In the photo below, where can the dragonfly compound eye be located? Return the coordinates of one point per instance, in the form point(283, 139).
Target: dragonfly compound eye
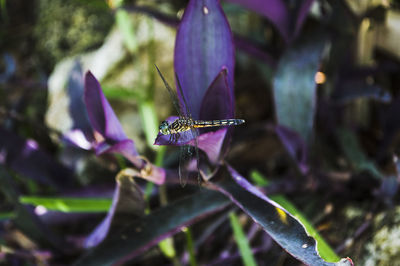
point(164, 128)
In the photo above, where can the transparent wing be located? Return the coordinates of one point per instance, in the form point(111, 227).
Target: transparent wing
point(185, 107)
point(193, 152)
point(172, 94)
point(187, 153)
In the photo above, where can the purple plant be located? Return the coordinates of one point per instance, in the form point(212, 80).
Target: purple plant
point(206, 79)
point(111, 137)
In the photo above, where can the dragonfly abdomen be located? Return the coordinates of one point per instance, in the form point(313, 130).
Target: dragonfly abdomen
point(217, 123)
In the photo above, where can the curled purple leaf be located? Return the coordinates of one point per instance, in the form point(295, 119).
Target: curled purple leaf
point(101, 115)
point(203, 33)
point(218, 100)
point(77, 108)
point(106, 123)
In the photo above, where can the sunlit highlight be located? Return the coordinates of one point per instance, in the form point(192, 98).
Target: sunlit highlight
point(40, 210)
point(282, 215)
point(320, 78)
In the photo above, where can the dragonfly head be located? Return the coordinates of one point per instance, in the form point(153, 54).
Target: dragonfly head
point(164, 128)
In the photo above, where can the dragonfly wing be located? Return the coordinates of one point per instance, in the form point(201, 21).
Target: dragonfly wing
point(184, 161)
point(172, 94)
point(196, 153)
point(189, 155)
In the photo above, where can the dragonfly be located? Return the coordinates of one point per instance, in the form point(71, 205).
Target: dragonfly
point(186, 128)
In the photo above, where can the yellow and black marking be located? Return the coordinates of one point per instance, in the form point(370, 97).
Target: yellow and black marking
point(183, 124)
point(217, 123)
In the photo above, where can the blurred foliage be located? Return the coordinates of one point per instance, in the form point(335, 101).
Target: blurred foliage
point(66, 28)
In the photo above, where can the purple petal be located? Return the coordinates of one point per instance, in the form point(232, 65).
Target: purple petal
point(218, 101)
point(101, 115)
point(203, 33)
point(295, 146)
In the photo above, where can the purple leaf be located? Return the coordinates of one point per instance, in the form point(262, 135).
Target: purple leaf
point(218, 100)
point(295, 146)
point(143, 233)
point(241, 43)
point(211, 143)
point(123, 147)
point(77, 108)
point(127, 205)
point(105, 122)
point(26, 158)
point(101, 115)
point(203, 33)
point(286, 230)
point(287, 20)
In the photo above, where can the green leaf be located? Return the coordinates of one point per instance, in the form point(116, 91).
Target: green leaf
point(119, 93)
point(167, 247)
point(242, 242)
point(294, 84)
point(7, 216)
point(69, 204)
point(190, 246)
point(150, 122)
point(258, 179)
point(125, 25)
point(352, 150)
point(25, 220)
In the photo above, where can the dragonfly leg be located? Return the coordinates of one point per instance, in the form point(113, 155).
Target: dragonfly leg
point(176, 137)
